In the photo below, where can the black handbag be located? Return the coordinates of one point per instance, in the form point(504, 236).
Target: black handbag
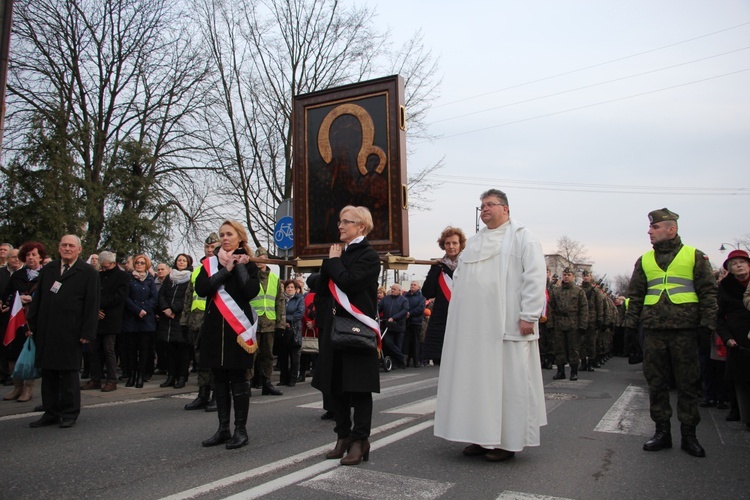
point(350, 334)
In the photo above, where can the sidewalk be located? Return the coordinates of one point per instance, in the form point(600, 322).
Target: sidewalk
point(150, 389)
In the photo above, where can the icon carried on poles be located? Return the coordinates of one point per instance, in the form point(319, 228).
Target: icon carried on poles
point(283, 233)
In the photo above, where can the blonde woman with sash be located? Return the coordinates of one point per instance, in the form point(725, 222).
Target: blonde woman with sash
point(227, 342)
point(348, 378)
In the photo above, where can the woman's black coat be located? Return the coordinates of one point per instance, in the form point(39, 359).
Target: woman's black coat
point(171, 297)
point(733, 322)
point(218, 341)
point(432, 348)
point(356, 273)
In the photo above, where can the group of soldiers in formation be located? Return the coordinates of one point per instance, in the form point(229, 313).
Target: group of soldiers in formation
point(581, 326)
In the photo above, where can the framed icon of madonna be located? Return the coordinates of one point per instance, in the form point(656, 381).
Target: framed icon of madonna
point(350, 149)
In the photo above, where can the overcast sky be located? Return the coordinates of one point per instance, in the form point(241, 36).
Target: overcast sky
point(588, 114)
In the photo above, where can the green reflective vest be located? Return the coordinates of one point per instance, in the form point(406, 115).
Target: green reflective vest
point(677, 280)
point(265, 302)
point(198, 303)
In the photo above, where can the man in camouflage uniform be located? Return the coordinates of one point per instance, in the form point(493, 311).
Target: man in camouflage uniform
point(192, 317)
point(596, 314)
point(604, 340)
point(673, 294)
point(271, 308)
point(569, 315)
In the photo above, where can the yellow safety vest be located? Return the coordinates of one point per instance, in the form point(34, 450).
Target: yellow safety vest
point(677, 280)
point(199, 303)
point(265, 302)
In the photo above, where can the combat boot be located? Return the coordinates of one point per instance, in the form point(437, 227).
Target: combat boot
point(690, 443)
point(269, 389)
point(201, 401)
point(560, 375)
point(573, 373)
point(662, 438)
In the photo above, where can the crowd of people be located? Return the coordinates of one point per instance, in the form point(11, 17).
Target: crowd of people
point(228, 318)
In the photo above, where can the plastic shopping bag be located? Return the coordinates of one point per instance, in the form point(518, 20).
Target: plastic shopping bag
point(25, 369)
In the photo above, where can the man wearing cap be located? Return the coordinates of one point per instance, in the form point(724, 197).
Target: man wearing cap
point(569, 316)
point(271, 308)
point(595, 302)
point(673, 295)
point(192, 317)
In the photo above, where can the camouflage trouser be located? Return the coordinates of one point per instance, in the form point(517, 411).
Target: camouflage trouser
point(567, 347)
point(205, 377)
point(546, 342)
point(604, 341)
point(263, 365)
point(588, 343)
point(676, 350)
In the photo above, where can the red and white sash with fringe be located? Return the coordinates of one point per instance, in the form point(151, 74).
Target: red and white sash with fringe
point(446, 285)
point(343, 300)
point(232, 312)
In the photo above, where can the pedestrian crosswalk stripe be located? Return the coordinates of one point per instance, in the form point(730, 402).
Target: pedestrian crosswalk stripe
point(629, 414)
point(362, 483)
point(516, 495)
point(422, 407)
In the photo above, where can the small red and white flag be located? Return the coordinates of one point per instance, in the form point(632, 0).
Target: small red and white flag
point(17, 320)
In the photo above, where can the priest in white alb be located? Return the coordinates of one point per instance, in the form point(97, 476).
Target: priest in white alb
point(490, 390)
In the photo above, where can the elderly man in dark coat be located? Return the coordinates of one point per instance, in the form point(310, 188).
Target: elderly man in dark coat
point(114, 283)
point(64, 314)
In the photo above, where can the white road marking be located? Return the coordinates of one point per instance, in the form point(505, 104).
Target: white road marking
point(95, 405)
point(421, 407)
point(629, 414)
point(295, 477)
point(388, 392)
point(357, 482)
point(277, 465)
point(517, 495)
point(568, 384)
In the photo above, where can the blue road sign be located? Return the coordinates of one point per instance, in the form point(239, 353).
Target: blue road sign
point(283, 233)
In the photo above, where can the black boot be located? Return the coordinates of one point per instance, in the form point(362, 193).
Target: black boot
point(169, 382)
point(573, 373)
point(662, 438)
point(212, 401)
point(224, 407)
point(139, 379)
point(560, 375)
point(131, 380)
point(180, 383)
point(597, 362)
point(690, 443)
point(589, 365)
point(269, 389)
point(241, 397)
point(202, 400)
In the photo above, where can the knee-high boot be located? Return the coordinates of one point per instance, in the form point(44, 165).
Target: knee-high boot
point(224, 408)
point(241, 396)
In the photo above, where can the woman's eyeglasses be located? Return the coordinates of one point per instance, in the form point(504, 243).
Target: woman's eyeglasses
point(344, 222)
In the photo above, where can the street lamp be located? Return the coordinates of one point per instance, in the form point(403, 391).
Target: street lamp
point(738, 246)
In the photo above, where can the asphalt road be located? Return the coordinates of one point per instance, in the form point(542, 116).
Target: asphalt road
point(141, 444)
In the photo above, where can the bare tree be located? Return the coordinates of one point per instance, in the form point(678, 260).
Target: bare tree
point(267, 52)
point(574, 252)
point(120, 81)
point(620, 283)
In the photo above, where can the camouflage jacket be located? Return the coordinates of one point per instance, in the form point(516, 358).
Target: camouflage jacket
point(665, 314)
point(610, 313)
point(595, 302)
point(568, 308)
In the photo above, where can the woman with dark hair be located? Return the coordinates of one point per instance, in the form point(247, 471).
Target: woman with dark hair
point(139, 321)
point(289, 348)
point(229, 281)
point(348, 377)
point(171, 302)
point(24, 282)
point(437, 286)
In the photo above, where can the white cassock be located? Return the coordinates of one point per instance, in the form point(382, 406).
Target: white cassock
point(490, 390)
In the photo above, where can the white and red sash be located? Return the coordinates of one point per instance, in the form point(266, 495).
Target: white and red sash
point(446, 285)
point(343, 300)
point(232, 312)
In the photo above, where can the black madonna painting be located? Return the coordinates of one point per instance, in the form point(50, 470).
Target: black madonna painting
point(349, 149)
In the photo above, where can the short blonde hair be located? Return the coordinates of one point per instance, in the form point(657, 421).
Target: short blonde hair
point(362, 214)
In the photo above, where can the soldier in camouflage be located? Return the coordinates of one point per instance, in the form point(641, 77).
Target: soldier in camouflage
point(568, 318)
point(596, 315)
point(672, 293)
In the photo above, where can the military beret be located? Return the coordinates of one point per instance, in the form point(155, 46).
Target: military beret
point(587, 273)
point(261, 251)
point(568, 270)
point(661, 215)
point(212, 238)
